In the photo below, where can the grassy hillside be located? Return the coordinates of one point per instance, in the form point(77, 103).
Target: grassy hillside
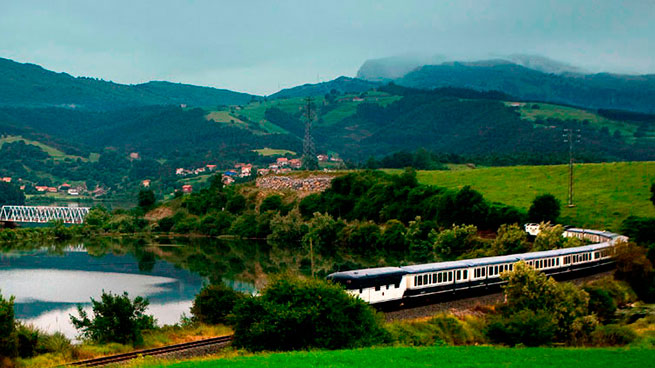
point(272, 152)
point(444, 357)
point(543, 111)
point(53, 152)
point(605, 194)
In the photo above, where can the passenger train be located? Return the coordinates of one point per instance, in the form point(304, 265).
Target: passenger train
point(394, 285)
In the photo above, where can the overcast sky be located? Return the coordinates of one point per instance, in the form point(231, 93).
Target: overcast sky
point(258, 46)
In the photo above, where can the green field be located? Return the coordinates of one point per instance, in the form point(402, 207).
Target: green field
point(53, 152)
point(550, 111)
point(443, 357)
point(272, 152)
point(604, 194)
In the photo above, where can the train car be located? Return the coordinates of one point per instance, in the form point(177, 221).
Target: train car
point(392, 284)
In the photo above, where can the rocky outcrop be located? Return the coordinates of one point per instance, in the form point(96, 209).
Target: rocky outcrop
point(308, 184)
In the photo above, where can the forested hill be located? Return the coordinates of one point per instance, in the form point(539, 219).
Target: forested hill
point(29, 85)
point(339, 85)
point(609, 91)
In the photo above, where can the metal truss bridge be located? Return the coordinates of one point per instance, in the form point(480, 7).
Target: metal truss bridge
point(43, 214)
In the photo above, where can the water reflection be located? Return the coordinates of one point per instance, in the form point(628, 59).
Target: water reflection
point(49, 280)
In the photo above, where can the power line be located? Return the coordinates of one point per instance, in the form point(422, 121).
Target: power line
point(309, 160)
point(571, 136)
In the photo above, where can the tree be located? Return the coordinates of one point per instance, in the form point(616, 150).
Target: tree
point(544, 208)
point(116, 318)
point(146, 198)
point(452, 243)
point(549, 237)
point(511, 239)
point(538, 310)
point(294, 314)
point(8, 338)
point(271, 203)
point(11, 194)
point(214, 303)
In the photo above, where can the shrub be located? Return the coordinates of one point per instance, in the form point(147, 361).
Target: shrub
point(271, 203)
point(511, 239)
point(549, 237)
point(525, 327)
point(116, 318)
point(294, 313)
point(452, 243)
point(214, 303)
point(544, 208)
point(613, 335)
point(166, 224)
point(8, 338)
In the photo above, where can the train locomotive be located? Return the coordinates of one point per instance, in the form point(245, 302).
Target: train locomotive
point(396, 285)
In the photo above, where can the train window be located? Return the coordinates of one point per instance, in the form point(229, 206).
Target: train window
point(483, 272)
point(556, 261)
point(360, 291)
point(434, 278)
point(491, 270)
point(465, 274)
point(439, 276)
point(430, 278)
point(425, 279)
point(387, 287)
point(496, 270)
point(450, 276)
point(511, 267)
point(458, 276)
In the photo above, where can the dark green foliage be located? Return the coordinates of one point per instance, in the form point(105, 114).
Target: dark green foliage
point(360, 237)
point(216, 223)
point(544, 208)
point(97, 217)
point(652, 193)
point(146, 199)
point(236, 204)
point(28, 340)
point(295, 314)
point(639, 229)
point(166, 224)
point(393, 237)
point(245, 225)
point(613, 335)
point(601, 303)
point(524, 327)
point(310, 205)
point(634, 267)
point(115, 318)
point(11, 194)
point(271, 203)
point(214, 303)
point(8, 337)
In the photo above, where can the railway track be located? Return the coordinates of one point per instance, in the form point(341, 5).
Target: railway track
point(119, 358)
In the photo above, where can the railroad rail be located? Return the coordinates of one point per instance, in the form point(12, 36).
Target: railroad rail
point(118, 358)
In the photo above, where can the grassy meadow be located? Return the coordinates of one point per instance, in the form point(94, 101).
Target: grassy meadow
point(272, 151)
point(604, 194)
point(444, 357)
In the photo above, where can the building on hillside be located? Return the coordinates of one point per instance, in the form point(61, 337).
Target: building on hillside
point(98, 191)
point(52, 190)
point(262, 172)
point(179, 171)
point(246, 170)
point(322, 158)
point(211, 167)
point(64, 187)
point(295, 163)
point(238, 165)
point(73, 192)
point(22, 187)
point(187, 188)
point(7, 179)
point(135, 156)
point(41, 188)
point(282, 161)
point(145, 183)
point(227, 180)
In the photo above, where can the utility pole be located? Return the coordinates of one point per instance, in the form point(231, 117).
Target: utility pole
point(309, 160)
point(571, 136)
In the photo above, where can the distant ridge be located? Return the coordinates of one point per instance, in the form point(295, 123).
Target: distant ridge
point(341, 85)
point(29, 85)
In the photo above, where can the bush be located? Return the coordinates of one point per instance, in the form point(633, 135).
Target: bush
point(613, 335)
point(214, 303)
point(166, 224)
point(271, 203)
point(544, 208)
point(452, 243)
point(8, 337)
point(524, 327)
point(28, 339)
point(511, 239)
point(116, 318)
point(294, 314)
